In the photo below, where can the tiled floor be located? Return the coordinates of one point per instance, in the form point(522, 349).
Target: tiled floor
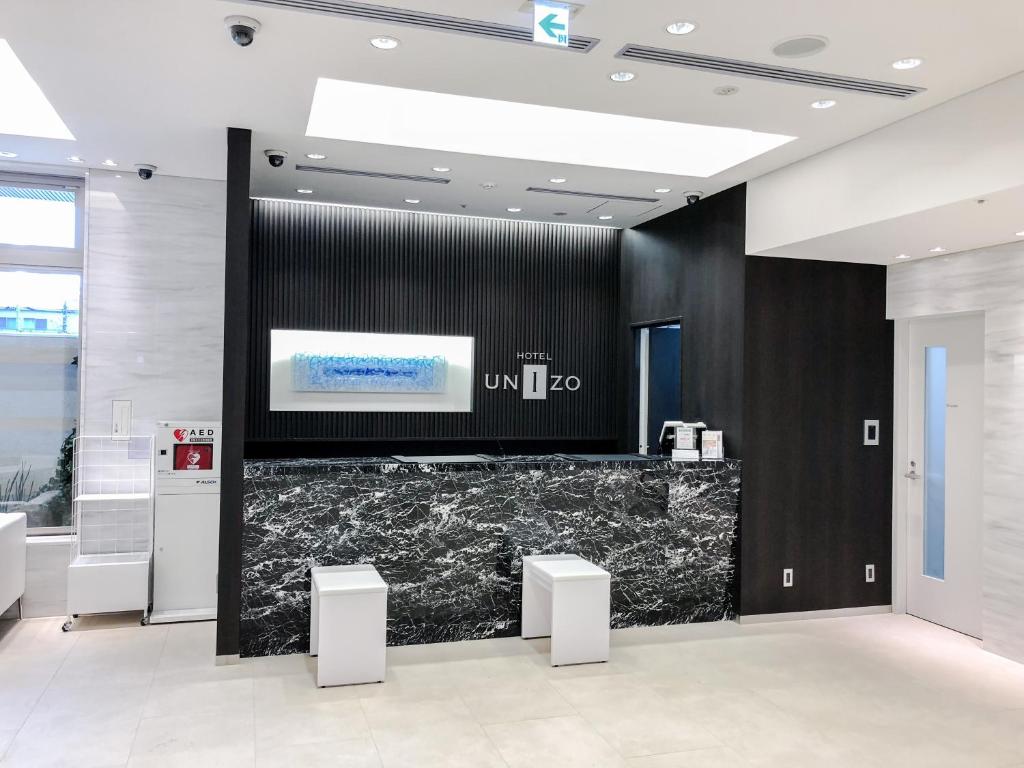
point(869, 691)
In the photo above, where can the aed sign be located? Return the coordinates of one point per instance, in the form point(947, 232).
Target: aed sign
point(536, 379)
point(551, 23)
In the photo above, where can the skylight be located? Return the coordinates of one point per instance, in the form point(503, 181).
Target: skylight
point(24, 109)
point(378, 114)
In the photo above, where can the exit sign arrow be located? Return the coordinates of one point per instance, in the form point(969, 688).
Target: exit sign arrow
point(549, 24)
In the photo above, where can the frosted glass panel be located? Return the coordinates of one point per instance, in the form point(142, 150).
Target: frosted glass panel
point(935, 462)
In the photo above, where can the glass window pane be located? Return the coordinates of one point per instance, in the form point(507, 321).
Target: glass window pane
point(935, 462)
point(37, 216)
point(39, 303)
point(38, 393)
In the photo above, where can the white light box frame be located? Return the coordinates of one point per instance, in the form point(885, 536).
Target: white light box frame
point(457, 351)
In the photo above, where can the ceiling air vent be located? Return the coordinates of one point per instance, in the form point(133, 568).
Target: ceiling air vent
point(373, 174)
point(714, 64)
point(596, 195)
point(434, 21)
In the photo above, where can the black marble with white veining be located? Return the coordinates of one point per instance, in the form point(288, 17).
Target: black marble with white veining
point(449, 540)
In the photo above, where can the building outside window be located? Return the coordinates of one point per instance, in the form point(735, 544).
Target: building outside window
point(40, 304)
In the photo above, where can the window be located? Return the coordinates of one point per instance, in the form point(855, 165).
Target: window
point(38, 217)
point(40, 301)
point(41, 221)
point(935, 462)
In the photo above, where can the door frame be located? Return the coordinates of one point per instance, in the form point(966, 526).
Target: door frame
point(637, 400)
point(901, 451)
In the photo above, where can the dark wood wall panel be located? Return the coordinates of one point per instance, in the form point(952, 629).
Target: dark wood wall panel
point(690, 264)
point(513, 286)
point(819, 361)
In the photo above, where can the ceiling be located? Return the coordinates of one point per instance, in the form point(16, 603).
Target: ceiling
point(159, 82)
point(962, 226)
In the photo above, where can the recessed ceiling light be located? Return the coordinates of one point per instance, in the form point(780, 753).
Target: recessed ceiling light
point(304, 191)
point(412, 201)
point(442, 122)
point(1020, 234)
point(75, 159)
point(8, 154)
point(823, 104)
point(622, 77)
point(488, 185)
point(117, 175)
point(799, 47)
point(903, 256)
point(441, 169)
point(26, 110)
point(680, 27)
point(316, 156)
point(726, 90)
point(662, 190)
point(109, 163)
point(384, 43)
point(937, 249)
point(907, 63)
point(605, 218)
point(514, 210)
point(557, 180)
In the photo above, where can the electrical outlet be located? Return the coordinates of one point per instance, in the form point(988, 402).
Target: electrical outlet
point(869, 573)
point(787, 577)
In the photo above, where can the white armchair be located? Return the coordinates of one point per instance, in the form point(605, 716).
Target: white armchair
point(13, 528)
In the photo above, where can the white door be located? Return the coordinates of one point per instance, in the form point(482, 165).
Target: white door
point(944, 521)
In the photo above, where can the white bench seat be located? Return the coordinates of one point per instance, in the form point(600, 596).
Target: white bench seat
point(567, 599)
point(348, 624)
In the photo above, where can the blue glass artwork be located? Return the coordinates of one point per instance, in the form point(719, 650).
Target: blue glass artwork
point(369, 373)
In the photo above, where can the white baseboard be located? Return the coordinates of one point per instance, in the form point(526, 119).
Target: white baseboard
point(832, 613)
point(227, 660)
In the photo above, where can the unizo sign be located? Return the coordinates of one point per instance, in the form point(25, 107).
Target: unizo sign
point(536, 381)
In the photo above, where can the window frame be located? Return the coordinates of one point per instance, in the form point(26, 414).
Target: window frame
point(47, 255)
point(42, 258)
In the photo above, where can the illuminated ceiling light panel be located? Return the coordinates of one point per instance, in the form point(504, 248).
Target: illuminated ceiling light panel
point(377, 114)
point(24, 110)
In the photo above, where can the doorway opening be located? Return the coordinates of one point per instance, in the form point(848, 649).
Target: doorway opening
point(658, 369)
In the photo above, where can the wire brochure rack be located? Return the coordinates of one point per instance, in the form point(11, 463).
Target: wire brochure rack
point(112, 503)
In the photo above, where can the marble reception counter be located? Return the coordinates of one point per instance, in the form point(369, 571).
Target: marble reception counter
point(449, 538)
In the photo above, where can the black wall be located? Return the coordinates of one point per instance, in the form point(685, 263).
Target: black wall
point(236, 350)
point(513, 286)
point(689, 264)
point(818, 362)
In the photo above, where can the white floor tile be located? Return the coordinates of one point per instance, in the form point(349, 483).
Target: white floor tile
point(560, 742)
point(451, 743)
point(716, 757)
point(872, 692)
point(350, 753)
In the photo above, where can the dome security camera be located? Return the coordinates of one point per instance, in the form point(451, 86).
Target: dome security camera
point(275, 157)
point(693, 197)
point(145, 170)
point(242, 29)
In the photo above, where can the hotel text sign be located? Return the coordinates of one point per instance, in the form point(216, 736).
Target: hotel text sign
point(536, 379)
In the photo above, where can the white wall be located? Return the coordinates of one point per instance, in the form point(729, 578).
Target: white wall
point(153, 319)
point(992, 281)
point(965, 148)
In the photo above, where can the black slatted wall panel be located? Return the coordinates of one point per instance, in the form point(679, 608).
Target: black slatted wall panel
point(513, 286)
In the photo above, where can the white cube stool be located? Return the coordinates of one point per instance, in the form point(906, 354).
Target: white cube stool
point(567, 599)
point(348, 624)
